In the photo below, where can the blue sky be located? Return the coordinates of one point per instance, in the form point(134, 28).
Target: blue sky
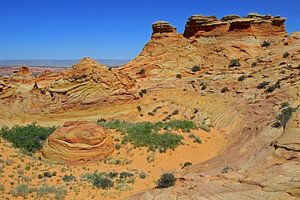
point(112, 29)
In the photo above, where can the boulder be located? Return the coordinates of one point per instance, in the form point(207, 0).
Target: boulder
point(78, 142)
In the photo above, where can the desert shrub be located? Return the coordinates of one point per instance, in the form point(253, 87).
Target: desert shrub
point(284, 104)
point(142, 135)
point(21, 190)
point(125, 175)
point(254, 64)
point(146, 134)
point(99, 180)
point(45, 190)
point(28, 138)
point(270, 89)
point(263, 85)
point(226, 169)
point(224, 89)
point(142, 175)
point(142, 92)
point(186, 164)
point(283, 118)
point(47, 174)
point(242, 78)
point(139, 108)
point(2, 188)
point(166, 180)
point(286, 54)
point(69, 178)
point(178, 76)
point(203, 86)
point(234, 63)
point(196, 68)
point(184, 125)
point(265, 43)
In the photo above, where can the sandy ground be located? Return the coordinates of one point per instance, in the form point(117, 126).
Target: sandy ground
point(17, 168)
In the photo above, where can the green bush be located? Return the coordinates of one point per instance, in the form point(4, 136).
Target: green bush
point(263, 85)
point(69, 178)
point(28, 138)
point(266, 43)
point(21, 190)
point(147, 134)
point(166, 180)
point(59, 191)
point(242, 78)
point(99, 180)
point(234, 63)
point(283, 118)
point(286, 54)
point(196, 68)
point(224, 89)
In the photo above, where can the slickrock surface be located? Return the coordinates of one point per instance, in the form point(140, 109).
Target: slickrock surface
point(234, 74)
point(78, 142)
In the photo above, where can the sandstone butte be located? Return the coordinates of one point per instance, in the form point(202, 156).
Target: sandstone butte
point(257, 162)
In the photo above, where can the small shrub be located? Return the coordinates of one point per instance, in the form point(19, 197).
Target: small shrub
point(47, 174)
point(283, 118)
point(234, 63)
point(196, 68)
point(186, 164)
point(166, 180)
point(254, 64)
point(224, 89)
point(21, 190)
point(284, 105)
point(178, 76)
point(142, 92)
point(28, 138)
point(125, 175)
point(270, 89)
point(99, 180)
point(226, 169)
point(69, 178)
point(266, 43)
point(286, 54)
point(242, 78)
point(117, 146)
point(44, 190)
point(142, 175)
point(203, 86)
point(2, 188)
point(184, 125)
point(103, 183)
point(139, 108)
point(263, 85)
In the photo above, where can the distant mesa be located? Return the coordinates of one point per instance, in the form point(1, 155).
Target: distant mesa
point(78, 142)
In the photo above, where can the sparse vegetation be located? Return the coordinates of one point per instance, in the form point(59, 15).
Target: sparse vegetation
point(28, 138)
point(224, 89)
point(21, 190)
point(283, 118)
point(270, 89)
point(59, 191)
point(178, 76)
point(142, 92)
point(286, 54)
point(242, 78)
point(196, 68)
point(186, 164)
point(263, 85)
point(166, 180)
point(147, 134)
point(234, 63)
point(266, 43)
point(254, 64)
point(69, 178)
point(99, 180)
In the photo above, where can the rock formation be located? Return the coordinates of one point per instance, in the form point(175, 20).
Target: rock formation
point(253, 24)
point(78, 142)
point(163, 27)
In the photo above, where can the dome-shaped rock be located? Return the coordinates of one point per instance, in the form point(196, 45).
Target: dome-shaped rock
point(78, 142)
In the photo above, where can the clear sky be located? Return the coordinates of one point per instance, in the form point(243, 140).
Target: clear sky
point(112, 29)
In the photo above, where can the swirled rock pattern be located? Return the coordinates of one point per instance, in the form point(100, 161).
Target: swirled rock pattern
point(78, 142)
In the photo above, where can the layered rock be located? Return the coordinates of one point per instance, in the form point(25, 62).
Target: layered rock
point(253, 24)
point(163, 27)
point(78, 142)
